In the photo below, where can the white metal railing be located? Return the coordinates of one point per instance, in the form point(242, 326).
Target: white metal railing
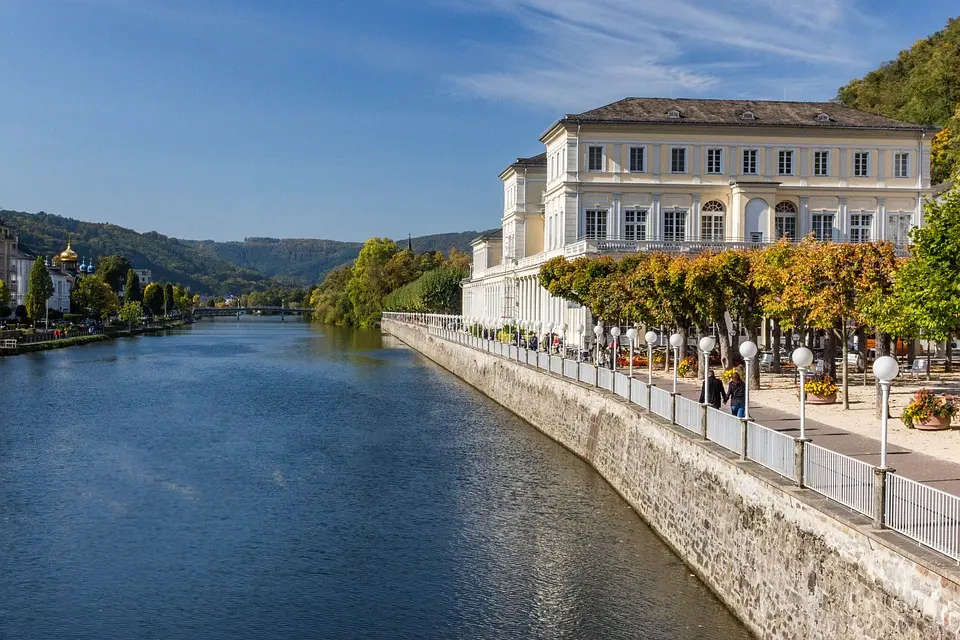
point(531, 358)
point(724, 429)
point(588, 373)
point(687, 413)
point(605, 378)
point(571, 369)
point(621, 385)
point(556, 365)
point(774, 450)
point(638, 393)
point(923, 513)
point(661, 402)
point(842, 478)
point(543, 361)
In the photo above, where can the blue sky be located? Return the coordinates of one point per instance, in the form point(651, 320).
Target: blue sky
point(224, 119)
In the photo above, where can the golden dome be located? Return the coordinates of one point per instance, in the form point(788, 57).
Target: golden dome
point(68, 254)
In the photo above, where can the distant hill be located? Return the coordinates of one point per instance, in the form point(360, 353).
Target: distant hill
point(306, 261)
point(204, 265)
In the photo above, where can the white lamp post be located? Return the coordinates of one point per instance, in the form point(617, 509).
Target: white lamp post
point(886, 369)
point(580, 329)
point(676, 341)
point(598, 331)
point(562, 332)
point(615, 334)
point(802, 357)
point(749, 352)
point(631, 336)
point(547, 332)
point(651, 338)
point(707, 343)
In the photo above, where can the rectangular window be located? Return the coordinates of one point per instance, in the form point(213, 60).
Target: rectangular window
point(635, 224)
point(860, 227)
point(715, 161)
point(636, 159)
point(596, 224)
point(750, 161)
point(785, 163)
point(822, 226)
point(594, 158)
point(678, 160)
point(901, 165)
point(821, 163)
point(898, 228)
point(711, 227)
point(674, 225)
point(786, 227)
point(861, 164)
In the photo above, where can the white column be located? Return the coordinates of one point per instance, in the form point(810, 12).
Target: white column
point(616, 230)
point(803, 217)
point(843, 223)
point(879, 231)
point(693, 225)
point(654, 219)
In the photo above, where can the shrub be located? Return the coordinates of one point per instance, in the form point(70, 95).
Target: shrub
point(926, 405)
point(728, 373)
point(687, 365)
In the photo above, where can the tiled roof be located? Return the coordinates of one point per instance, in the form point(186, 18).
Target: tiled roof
point(533, 162)
point(732, 112)
point(495, 234)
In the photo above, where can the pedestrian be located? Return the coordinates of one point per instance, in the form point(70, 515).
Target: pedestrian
point(717, 395)
point(737, 392)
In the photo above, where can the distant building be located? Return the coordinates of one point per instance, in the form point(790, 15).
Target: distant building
point(8, 256)
point(145, 276)
point(15, 268)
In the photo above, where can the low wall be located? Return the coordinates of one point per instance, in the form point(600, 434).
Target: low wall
point(789, 563)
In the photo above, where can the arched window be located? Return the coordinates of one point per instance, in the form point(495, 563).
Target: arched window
point(786, 220)
point(711, 221)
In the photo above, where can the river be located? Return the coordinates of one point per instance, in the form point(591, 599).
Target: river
point(258, 479)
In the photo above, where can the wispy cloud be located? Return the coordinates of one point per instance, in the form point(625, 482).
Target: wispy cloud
point(585, 52)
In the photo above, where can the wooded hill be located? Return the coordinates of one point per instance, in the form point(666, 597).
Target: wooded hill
point(921, 86)
point(206, 266)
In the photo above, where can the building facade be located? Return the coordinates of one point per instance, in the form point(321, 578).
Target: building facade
point(145, 276)
point(685, 175)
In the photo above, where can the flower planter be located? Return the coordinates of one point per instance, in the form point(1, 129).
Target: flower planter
point(813, 398)
point(933, 423)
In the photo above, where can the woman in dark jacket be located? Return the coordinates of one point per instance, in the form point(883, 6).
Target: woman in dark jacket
point(737, 392)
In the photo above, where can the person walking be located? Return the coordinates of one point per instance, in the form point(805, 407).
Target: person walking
point(737, 393)
point(717, 395)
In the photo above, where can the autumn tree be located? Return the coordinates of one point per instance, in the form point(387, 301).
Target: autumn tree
point(153, 298)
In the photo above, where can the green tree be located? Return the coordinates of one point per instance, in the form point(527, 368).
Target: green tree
point(330, 302)
point(94, 297)
point(4, 300)
point(39, 290)
point(153, 298)
point(113, 270)
point(131, 313)
point(131, 292)
point(367, 286)
point(182, 300)
point(168, 298)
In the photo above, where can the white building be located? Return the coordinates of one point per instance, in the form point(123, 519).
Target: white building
point(682, 175)
point(145, 276)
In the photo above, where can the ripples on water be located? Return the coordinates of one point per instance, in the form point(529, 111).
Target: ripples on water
point(267, 480)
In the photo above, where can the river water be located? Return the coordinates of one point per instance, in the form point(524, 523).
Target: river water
point(255, 479)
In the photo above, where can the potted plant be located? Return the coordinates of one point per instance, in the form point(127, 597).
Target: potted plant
point(687, 367)
point(727, 374)
point(821, 389)
point(930, 412)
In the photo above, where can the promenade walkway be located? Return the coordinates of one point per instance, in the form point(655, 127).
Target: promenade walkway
point(923, 468)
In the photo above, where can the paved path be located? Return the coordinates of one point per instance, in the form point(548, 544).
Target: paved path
point(916, 466)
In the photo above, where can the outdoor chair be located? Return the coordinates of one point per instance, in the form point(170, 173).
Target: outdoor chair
point(918, 368)
point(766, 362)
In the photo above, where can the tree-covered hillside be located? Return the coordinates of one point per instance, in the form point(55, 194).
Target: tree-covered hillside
point(922, 86)
point(171, 260)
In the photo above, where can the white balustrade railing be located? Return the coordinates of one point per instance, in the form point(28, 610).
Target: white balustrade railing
point(923, 513)
point(661, 402)
point(556, 365)
point(605, 378)
point(724, 429)
point(588, 373)
point(543, 361)
point(688, 414)
point(571, 369)
point(531, 358)
point(621, 385)
point(638, 393)
point(842, 478)
point(774, 450)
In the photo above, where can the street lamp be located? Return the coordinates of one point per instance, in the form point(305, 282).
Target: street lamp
point(651, 338)
point(802, 357)
point(707, 343)
point(749, 352)
point(547, 331)
point(598, 331)
point(631, 336)
point(580, 329)
point(615, 334)
point(676, 341)
point(536, 330)
point(886, 369)
point(562, 332)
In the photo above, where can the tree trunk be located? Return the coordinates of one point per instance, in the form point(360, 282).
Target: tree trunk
point(777, 334)
point(724, 339)
point(948, 352)
point(844, 350)
point(830, 354)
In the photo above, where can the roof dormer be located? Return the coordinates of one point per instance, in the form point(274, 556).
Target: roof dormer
point(747, 115)
point(673, 114)
point(823, 118)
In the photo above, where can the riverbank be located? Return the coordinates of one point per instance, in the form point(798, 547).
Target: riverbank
point(790, 563)
point(74, 341)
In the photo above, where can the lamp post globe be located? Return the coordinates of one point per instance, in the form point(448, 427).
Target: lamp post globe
point(886, 369)
point(802, 357)
point(548, 327)
point(748, 350)
point(676, 341)
point(598, 331)
point(650, 337)
point(615, 334)
point(707, 343)
point(580, 329)
point(615, 331)
point(631, 334)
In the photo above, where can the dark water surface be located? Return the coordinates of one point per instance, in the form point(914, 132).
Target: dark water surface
point(259, 480)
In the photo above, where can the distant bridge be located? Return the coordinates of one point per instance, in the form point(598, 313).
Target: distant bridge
point(200, 312)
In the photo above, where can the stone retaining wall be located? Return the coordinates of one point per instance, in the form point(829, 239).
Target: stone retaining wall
point(789, 563)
